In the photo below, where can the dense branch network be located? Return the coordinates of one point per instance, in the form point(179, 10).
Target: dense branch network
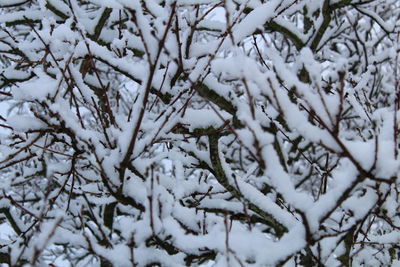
point(178, 133)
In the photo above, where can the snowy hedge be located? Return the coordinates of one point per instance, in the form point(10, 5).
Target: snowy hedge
point(192, 132)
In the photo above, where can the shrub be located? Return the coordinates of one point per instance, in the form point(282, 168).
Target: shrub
point(177, 132)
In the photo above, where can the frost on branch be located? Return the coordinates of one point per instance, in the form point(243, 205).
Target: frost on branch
point(179, 133)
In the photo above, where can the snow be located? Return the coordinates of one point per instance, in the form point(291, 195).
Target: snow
point(24, 123)
point(107, 141)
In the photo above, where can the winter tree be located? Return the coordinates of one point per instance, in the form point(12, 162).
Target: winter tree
point(200, 132)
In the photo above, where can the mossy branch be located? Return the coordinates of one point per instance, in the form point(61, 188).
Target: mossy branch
point(221, 177)
point(326, 14)
point(274, 26)
point(215, 98)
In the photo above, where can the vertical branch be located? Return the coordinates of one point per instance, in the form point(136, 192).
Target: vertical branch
point(152, 65)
